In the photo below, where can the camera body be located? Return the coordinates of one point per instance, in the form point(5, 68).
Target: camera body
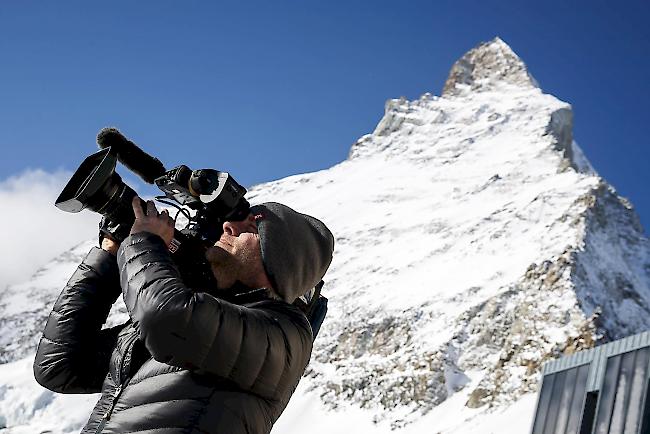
point(215, 196)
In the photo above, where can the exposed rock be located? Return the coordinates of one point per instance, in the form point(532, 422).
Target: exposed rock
point(381, 367)
point(560, 128)
point(485, 66)
point(616, 286)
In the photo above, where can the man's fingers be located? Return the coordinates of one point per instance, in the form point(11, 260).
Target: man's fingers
point(137, 208)
point(165, 213)
point(151, 208)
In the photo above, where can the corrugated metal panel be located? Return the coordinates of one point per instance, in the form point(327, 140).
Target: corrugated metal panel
point(543, 402)
point(617, 347)
point(594, 361)
point(607, 397)
point(597, 369)
point(578, 402)
point(620, 409)
point(567, 362)
point(560, 402)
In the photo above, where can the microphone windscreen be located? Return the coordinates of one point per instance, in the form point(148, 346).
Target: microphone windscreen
point(135, 159)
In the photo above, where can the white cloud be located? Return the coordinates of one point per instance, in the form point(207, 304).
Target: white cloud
point(32, 229)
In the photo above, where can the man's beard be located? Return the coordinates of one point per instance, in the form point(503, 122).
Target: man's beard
point(225, 266)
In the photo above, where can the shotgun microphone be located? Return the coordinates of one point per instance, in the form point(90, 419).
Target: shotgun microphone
point(135, 159)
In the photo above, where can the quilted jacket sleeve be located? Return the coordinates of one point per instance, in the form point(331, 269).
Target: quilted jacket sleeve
point(74, 352)
point(262, 348)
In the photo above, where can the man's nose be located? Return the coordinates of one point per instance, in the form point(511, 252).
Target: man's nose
point(231, 229)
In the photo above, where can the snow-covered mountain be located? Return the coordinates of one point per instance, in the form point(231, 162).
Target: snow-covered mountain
point(474, 241)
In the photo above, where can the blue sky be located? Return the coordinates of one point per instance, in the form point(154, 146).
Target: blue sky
point(269, 89)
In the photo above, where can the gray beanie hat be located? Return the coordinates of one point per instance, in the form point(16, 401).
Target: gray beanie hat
point(296, 248)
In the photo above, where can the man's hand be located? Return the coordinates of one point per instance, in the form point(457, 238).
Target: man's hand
point(110, 245)
point(154, 222)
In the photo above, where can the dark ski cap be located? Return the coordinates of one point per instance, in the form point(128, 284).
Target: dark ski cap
point(296, 248)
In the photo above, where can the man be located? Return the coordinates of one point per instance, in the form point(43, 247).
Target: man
point(189, 362)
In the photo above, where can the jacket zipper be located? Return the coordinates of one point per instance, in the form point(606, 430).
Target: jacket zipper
point(107, 415)
point(118, 391)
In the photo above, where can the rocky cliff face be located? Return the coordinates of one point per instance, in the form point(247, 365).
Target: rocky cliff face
point(474, 241)
point(488, 65)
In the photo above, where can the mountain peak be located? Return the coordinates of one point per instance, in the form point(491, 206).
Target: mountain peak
point(485, 66)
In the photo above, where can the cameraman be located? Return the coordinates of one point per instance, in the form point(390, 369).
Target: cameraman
point(189, 361)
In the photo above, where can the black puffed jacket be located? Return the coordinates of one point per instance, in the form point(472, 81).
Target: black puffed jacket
point(186, 362)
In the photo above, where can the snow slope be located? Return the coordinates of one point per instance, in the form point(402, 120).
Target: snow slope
point(474, 241)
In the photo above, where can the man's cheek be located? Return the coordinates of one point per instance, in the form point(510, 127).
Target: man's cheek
point(216, 254)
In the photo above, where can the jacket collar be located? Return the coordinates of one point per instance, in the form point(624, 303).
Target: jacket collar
point(240, 294)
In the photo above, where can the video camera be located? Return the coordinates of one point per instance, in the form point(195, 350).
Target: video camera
point(212, 196)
